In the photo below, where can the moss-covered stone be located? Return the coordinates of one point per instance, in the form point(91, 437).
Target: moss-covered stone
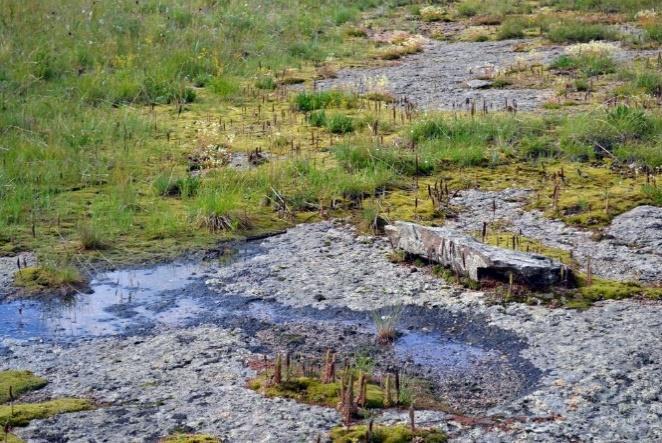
point(386, 434)
point(19, 382)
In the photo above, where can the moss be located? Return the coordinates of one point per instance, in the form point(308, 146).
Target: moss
point(44, 278)
point(19, 382)
point(312, 391)
point(22, 414)
point(601, 289)
point(386, 434)
point(190, 438)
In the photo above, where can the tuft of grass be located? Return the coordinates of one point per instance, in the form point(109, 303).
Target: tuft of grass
point(654, 193)
point(266, 82)
point(311, 101)
point(91, 237)
point(580, 32)
point(386, 434)
point(317, 118)
point(386, 322)
point(589, 65)
point(167, 184)
point(19, 382)
point(512, 27)
point(340, 124)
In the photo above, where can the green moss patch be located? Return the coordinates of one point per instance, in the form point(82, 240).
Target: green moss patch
point(22, 414)
point(386, 434)
point(190, 438)
point(312, 391)
point(19, 382)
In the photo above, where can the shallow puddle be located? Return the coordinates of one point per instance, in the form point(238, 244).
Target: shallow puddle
point(119, 299)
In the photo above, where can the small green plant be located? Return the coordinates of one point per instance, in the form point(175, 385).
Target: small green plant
point(386, 322)
point(317, 118)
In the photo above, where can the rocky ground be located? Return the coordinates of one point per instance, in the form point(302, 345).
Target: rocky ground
point(629, 250)
point(448, 75)
point(598, 370)
point(8, 267)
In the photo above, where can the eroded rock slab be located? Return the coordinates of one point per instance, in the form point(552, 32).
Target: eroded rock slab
point(472, 258)
point(630, 252)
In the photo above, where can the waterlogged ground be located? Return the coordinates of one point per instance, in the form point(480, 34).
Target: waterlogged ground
point(169, 347)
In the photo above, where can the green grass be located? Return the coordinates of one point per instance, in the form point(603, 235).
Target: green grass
point(19, 382)
point(589, 65)
point(310, 101)
point(512, 27)
point(44, 278)
point(579, 32)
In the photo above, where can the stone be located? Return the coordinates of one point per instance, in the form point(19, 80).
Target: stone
point(478, 84)
point(474, 259)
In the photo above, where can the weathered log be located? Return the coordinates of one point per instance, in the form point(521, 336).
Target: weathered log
point(471, 258)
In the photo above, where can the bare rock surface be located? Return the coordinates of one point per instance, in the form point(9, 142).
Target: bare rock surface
point(450, 75)
point(600, 367)
point(443, 75)
point(148, 387)
point(630, 251)
point(474, 259)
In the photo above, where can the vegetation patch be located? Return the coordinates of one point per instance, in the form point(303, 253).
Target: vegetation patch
point(386, 434)
point(13, 383)
point(189, 438)
point(18, 382)
point(34, 280)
